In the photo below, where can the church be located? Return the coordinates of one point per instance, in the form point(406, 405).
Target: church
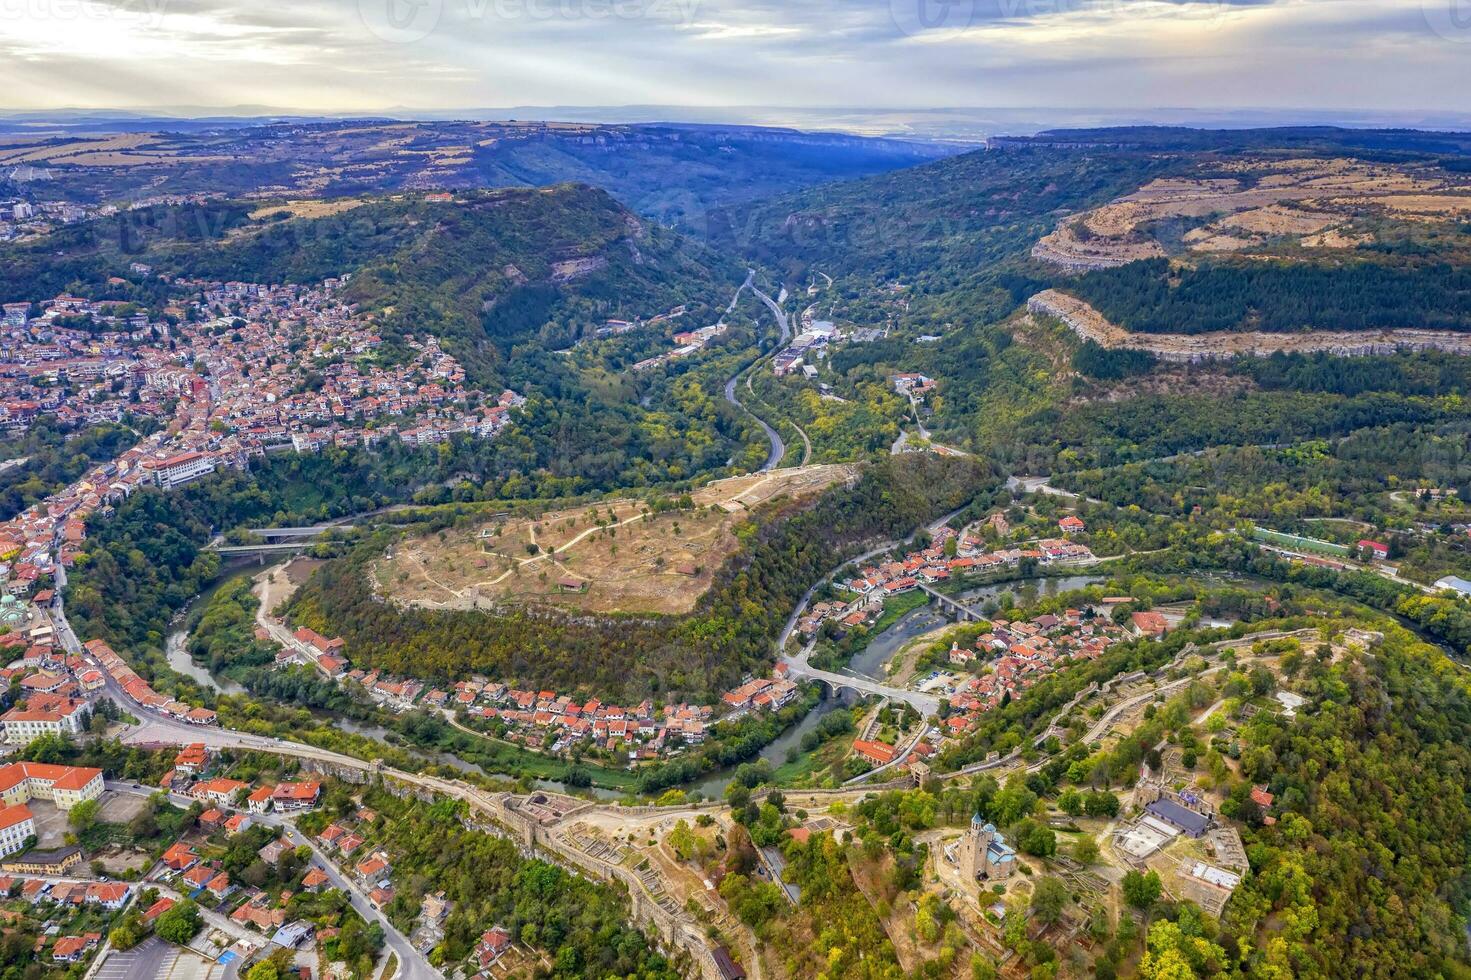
point(984, 853)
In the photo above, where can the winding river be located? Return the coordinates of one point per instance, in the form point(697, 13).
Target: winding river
point(872, 661)
point(176, 646)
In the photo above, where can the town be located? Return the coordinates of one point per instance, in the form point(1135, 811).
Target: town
point(239, 371)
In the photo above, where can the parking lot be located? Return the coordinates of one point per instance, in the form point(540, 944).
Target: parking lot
point(154, 959)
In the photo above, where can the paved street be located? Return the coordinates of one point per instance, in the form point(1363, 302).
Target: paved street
point(412, 964)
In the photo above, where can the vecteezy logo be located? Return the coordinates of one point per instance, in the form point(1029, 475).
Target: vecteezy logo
point(400, 21)
point(918, 16)
point(1450, 19)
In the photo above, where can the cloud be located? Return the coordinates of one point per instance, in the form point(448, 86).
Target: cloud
point(358, 54)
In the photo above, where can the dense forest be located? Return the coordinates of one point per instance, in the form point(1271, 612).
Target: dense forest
point(80, 258)
point(727, 636)
point(1152, 425)
point(1370, 864)
point(955, 232)
point(1152, 296)
point(1348, 479)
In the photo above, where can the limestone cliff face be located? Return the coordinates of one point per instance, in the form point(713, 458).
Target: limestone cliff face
point(1089, 324)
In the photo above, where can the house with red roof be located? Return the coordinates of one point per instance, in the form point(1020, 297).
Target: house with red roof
point(296, 796)
point(180, 857)
point(1378, 549)
point(879, 753)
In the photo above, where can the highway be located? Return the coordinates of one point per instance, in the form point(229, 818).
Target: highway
point(778, 446)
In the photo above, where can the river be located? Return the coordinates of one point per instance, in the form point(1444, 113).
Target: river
point(712, 786)
point(869, 662)
point(176, 646)
point(873, 659)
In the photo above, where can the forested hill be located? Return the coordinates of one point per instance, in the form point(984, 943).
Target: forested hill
point(486, 271)
point(1368, 867)
point(674, 173)
point(483, 270)
point(729, 635)
point(1326, 139)
point(957, 230)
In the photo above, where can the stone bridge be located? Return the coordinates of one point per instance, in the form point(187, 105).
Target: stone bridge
point(926, 704)
point(953, 607)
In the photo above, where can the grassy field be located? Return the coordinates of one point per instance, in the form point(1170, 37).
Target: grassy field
point(619, 555)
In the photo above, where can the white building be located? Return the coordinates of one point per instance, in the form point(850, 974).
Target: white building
point(16, 827)
point(24, 724)
point(181, 469)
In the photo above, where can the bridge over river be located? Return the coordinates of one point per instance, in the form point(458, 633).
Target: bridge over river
point(798, 667)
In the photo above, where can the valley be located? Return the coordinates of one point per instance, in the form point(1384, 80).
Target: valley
point(1049, 559)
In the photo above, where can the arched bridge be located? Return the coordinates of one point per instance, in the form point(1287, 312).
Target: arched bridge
point(799, 669)
point(959, 610)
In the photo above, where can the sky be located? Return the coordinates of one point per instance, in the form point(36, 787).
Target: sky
point(377, 55)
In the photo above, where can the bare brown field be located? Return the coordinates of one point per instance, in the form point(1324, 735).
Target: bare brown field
point(308, 208)
point(36, 152)
point(1312, 203)
point(612, 556)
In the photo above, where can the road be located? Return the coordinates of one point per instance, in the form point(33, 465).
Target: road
point(790, 628)
point(802, 433)
point(412, 964)
point(897, 761)
point(782, 322)
point(798, 667)
point(778, 447)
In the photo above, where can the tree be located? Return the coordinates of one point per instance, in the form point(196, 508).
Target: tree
point(1085, 850)
point(1141, 890)
point(1036, 839)
point(1049, 898)
point(83, 816)
point(127, 933)
point(179, 924)
point(1101, 803)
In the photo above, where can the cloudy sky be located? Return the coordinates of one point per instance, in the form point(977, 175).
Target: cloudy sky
point(371, 55)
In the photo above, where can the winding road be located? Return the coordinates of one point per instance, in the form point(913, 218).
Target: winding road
point(778, 446)
point(782, 323)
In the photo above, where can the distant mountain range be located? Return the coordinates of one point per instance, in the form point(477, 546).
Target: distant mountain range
point(960, 123)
